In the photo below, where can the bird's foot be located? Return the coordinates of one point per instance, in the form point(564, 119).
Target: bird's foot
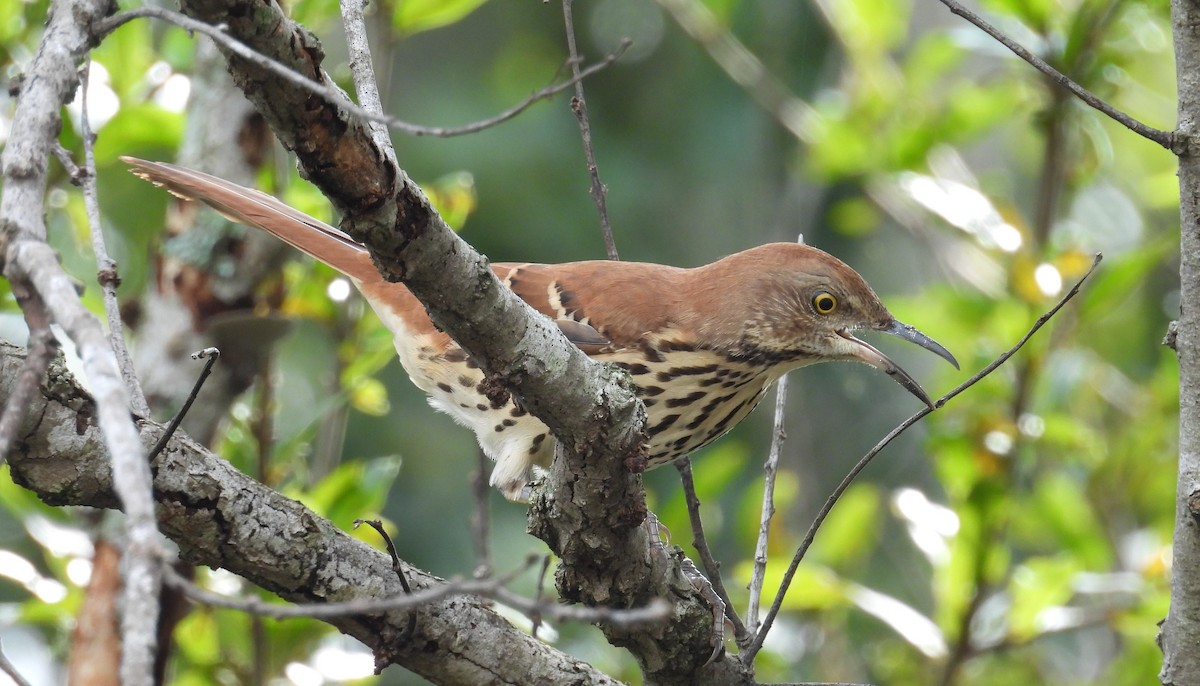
point(659, 537)
point(705, 588)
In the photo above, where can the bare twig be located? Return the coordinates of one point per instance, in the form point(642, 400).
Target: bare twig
point(262, 426)
point(1092, 616)
point(579, 107)
point(1167, 139)
point(363, 70)
point(64, 158)
point(537, 593)
point(712, 568)
point(397, 566)
point(212, 354)
point(481, 519)
point(42, 347)
point(901, 428)
point(106, 268)
point(7, 668)
point(656, 611)
point(331, 92)
point(771, 468)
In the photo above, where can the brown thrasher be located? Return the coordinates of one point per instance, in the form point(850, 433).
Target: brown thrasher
point(702, 345)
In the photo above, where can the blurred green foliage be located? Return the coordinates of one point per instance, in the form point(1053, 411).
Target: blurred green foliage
point(1020, 534)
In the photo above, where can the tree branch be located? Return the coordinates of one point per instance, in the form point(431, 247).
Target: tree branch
point(224, 519)
point(106, 268)
point(579, 107)
point(1167, 139)
point(1181, 629)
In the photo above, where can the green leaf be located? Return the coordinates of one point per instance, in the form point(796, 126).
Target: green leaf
point(354, 490)
point(414, 16)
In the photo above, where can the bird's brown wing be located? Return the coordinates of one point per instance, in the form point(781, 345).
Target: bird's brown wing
point(623, 302)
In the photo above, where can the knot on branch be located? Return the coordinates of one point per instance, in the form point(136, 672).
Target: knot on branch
point(494, 389)
point(637, 460)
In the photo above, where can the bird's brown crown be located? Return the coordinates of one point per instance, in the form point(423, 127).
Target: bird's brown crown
point(782, 302)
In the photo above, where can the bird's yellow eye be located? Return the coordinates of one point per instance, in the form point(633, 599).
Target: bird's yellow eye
point(824, 302)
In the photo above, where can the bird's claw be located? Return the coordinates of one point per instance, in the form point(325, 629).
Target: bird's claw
point(704, 587)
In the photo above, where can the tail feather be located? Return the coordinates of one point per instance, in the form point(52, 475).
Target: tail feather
point(255, 208)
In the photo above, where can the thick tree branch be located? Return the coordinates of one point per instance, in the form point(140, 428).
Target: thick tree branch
point(222, 518)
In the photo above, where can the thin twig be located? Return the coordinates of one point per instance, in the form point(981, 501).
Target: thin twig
point(106, 268)
point(771, 468)
point(481, 518)
point(42, 347)
point(749, 654)
point(8, 669)
point(212, 354)
point(712, 568)
point(656, 611)
point(537, 593)
point(1095, 616)
point(579, 107)
point(331, 92)
point(962, 644)
point(64, 158)
point(262, 426)
point(1167, 139)
point(397, 567)
point(362, 69)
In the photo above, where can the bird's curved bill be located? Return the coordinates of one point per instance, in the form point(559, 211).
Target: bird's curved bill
point(867, 353)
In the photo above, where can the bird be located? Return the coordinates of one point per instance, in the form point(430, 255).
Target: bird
point(702, 345)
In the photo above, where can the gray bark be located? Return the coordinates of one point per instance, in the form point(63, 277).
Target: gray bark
point(224, 519)
point(1180, 637)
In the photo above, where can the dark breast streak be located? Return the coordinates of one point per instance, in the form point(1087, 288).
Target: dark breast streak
point(692, 397)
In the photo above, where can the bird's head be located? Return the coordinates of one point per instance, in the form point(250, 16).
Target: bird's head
point(807, 306)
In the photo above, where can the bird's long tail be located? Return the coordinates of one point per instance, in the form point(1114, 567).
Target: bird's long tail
point(255, 208)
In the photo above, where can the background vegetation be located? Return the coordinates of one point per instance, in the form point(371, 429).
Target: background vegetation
point(1022, 535)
